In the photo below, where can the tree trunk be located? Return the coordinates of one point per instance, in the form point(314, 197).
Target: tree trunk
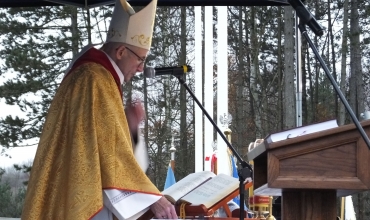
point(317, 77)
point(333, 61)
point(184, 146)
point(289, 98)
point(304, 51)
point(74, 31)
point(239, 102)
point(280, 105)
point(254, 75)
point(343, 74)
point(356, 84)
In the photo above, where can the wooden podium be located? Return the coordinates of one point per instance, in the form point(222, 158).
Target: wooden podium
point(310, 171)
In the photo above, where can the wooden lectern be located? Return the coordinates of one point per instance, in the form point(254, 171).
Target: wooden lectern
point(310, 171)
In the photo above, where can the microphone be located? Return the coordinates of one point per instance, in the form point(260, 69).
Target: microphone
point(307, 17)
point(150, 72)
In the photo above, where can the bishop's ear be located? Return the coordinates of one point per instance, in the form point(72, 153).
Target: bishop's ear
point(120, 51)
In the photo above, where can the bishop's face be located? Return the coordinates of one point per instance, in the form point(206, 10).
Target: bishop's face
point(131, 60)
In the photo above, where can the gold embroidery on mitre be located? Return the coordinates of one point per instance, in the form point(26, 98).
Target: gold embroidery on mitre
point(142, 40)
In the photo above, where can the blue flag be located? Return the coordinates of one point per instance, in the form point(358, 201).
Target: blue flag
point(170, 179)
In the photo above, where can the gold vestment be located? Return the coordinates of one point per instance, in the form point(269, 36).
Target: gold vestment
point(85, 147)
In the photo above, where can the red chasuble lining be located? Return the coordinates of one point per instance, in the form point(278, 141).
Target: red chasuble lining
point(99, 57)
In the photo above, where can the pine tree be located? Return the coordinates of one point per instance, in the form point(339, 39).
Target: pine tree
point(11, 197)
point(36, 49)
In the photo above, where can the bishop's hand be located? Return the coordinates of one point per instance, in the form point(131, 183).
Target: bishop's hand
point(163, 209)
point(134, 115)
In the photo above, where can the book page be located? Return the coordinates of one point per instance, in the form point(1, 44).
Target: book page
point(186, 184)
point(126, 204)
point(299, 131)
point(212, 191)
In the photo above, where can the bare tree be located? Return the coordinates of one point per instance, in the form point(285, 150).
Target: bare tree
point(289, 99)
point(356, 88)
point(343, 75)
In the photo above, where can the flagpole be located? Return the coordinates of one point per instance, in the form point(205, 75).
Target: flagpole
point(170, 178)
point(173, 150)
point(227, 133)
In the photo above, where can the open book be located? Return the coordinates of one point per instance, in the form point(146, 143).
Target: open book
point(128, 205)
point(202, 188)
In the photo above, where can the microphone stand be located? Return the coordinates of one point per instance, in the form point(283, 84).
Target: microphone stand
point(304, 17)
point(246, 170)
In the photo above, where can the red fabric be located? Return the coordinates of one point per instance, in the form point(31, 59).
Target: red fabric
point(214, 163)
point(99, 57)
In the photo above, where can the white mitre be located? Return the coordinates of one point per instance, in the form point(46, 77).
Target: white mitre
point(132, 28)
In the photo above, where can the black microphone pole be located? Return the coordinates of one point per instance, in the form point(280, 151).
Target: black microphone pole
point(246, 170)
point(304, 18)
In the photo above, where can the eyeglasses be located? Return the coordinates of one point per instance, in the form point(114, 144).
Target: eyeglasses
point(142, 61)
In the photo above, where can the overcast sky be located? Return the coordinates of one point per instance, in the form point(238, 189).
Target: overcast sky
point(20, 155)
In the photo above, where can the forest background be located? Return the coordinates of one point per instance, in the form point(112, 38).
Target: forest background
point(37, 44)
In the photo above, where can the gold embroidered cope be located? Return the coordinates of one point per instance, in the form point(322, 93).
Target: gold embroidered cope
point(85, 147)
